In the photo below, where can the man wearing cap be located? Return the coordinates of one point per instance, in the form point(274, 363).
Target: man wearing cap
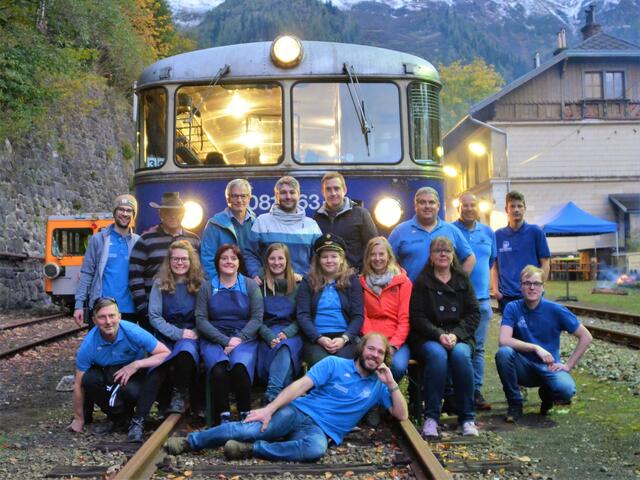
point(341, 216)
point(231, 225)
point(150, 250)
point(411, 239)
point(285, 223)
point(105, 267)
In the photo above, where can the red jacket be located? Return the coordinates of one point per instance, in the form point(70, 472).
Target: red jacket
point(388, 313)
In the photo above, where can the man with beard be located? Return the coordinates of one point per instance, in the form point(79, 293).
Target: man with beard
point(296, 427)
point(105, 267)
point(285, 223)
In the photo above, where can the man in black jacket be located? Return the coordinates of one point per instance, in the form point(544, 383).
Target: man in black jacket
point(341, 216)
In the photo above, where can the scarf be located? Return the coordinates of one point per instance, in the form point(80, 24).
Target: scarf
point(377, 282)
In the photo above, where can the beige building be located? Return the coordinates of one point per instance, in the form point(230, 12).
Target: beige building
point(567, 130)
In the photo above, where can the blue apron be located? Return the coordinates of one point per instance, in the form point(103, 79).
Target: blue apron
point(229, 312)
point(279, 312)
point(179, 309)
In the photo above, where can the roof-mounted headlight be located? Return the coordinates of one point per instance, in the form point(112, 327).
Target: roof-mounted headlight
point(286, 51)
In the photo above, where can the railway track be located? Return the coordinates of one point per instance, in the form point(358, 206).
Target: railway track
point(32, 321)
point(12, 350)
point(424, 465)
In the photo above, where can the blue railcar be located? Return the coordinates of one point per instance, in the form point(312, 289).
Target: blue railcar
point(263, 110)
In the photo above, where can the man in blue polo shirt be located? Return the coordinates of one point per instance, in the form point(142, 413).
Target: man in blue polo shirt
point(411, 239)
point(529, 353)
point(483, 243)
point(340, 390)
point(111, 364)
point(519, 244)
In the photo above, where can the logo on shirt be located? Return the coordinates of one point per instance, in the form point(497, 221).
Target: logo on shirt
point(347, 375)
point(522, 323)
point(506, 247)
point(340, 388)
point(365, 393)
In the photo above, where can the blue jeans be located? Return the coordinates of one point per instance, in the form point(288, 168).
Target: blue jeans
point(481, 334)
point(400, 363)
point(280, 373)
point(438, 364)
point(303, 439)
point(516, 369)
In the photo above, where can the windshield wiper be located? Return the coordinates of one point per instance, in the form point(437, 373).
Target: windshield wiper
point(358, 103)
point(214, 81)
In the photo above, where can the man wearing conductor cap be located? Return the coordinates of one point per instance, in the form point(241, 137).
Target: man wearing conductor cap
point(330, 305)
point(105, 267)
point(150, 250)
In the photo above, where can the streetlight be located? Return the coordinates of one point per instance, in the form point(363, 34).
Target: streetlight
point(477, 148)
point(450, 171)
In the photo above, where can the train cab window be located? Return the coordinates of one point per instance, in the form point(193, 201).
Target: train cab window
point(424, 122)
point(328, 129)
point(152, 130)
point(228, 125)
point(70, 241)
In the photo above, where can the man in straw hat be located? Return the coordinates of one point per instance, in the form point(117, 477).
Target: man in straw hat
point(150, 250)
point(105, 267)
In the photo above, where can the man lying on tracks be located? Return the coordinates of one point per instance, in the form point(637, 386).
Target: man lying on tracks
point(529, 353)
point(111, 366)
point(295, 427)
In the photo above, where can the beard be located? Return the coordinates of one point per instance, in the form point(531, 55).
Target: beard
point(363, 364)
point(122, 224)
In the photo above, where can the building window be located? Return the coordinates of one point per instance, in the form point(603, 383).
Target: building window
point(592, 85)
point(614, 85)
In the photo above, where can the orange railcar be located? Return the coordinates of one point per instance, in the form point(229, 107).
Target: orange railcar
point(67, 240)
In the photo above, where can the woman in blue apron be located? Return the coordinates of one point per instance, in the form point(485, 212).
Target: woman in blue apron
point(229, 313)
point(172, 303)
point(280, 348)
point(330, 308)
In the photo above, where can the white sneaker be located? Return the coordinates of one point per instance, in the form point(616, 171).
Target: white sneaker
point(469, 429)
point(430, 428)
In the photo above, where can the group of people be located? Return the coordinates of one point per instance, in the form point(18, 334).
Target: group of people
point(260, 296)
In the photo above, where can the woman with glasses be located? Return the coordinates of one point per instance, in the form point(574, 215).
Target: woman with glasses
point(387, 291)
point(444, 315)
point(279, 350)
point(172, 304)
point(229, 314)
point(329, 303)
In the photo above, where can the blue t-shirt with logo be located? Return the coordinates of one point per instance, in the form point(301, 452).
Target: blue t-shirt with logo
point(483, 243)
point(329, 316)
point(541, 326)
point(516, 250)
point(115, 278)
point(132, 343)
point(410, 243)
point(340, 397)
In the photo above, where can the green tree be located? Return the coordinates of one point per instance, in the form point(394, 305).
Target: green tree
point(465, 85)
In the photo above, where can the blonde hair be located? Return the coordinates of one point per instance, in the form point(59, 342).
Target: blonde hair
point(317, 278)
point(530, 270)
point(392, 264)
point(195, 274)
point(269, 280)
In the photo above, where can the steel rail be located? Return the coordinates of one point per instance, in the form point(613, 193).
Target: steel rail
point(13, 350)
point(143, 464)
point(426, 461)
point(622, 317)
point(615, 336)
point(24, 323)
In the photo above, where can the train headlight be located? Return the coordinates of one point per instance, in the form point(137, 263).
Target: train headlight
point(286, 51)
point(388, 212)
point(52, 270)
point(193, 214)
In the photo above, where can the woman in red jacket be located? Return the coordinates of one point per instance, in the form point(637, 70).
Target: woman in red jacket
point(387, 291)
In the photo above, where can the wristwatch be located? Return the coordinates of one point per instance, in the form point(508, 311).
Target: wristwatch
point(346, 339)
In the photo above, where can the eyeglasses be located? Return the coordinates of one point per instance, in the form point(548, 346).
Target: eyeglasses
point(126, 211)
point(179, 259)
point(441, 251)
point(532, 284)
point(239, 196)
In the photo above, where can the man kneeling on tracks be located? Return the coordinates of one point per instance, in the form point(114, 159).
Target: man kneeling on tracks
point(294, 427)
point(111, 366)
point(529, 353)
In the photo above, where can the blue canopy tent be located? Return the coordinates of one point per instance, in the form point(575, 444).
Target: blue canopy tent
point(571, 221)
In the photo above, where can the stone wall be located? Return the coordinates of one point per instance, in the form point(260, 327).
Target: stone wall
point(79, 164)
